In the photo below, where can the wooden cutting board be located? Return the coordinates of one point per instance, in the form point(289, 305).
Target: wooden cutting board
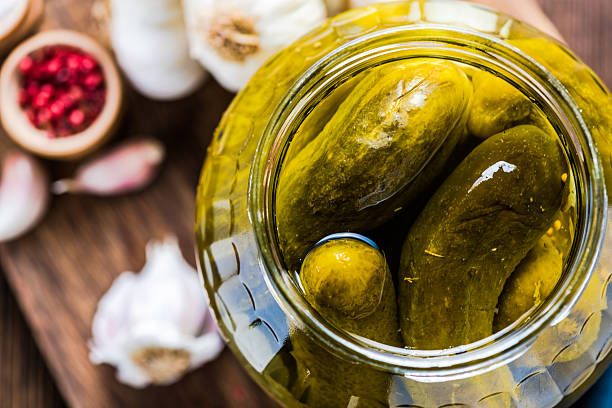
point(60, 270)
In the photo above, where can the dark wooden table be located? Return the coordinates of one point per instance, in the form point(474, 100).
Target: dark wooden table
point(24, 378)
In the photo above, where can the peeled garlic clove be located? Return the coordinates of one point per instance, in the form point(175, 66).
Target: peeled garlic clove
point(129, 167)
point(233, 38)
point(24, 195)
point(155, 326)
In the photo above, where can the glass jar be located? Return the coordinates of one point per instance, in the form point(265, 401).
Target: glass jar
point(544, 359)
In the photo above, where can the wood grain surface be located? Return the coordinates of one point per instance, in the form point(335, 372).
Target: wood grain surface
point(24, 378)
point(61, 269)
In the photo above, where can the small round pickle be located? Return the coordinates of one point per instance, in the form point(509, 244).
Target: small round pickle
point(389, 141)
point(473, 233)
point(349, 283)
point(496, 106)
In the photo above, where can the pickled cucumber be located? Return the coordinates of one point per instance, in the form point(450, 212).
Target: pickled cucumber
point(349, 283)
point(386, 143)
point(530, 284)
point(593, 99)
point(315, 121)
point(496, 106)
point(473, 233)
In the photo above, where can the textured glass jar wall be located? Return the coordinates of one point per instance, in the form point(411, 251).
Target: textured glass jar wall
point(277, 349)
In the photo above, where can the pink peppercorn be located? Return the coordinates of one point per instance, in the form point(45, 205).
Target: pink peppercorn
point(62, 89)
point(73, 62)
point(57, 108)
point(75, 92)
point(32, 90)
point(76, 117)
point(24, 98)
point(54, 65)
point(43, 116)
point(47, 89)
point(92, 81)
point(87, 64)
point(40, 100)
point(25, 65)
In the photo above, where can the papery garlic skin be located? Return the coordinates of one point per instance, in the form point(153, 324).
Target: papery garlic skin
point(361, 3)
point(129, 167)
point(336, 6)
point(24, 195)
point(233, 38)
point(150, 43)
point(155, 326)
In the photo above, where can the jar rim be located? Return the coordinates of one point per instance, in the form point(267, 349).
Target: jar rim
point(465, 360)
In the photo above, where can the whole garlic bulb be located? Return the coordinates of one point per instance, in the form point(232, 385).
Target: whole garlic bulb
point(151, 46)
point(155, 326)
point(233, 38)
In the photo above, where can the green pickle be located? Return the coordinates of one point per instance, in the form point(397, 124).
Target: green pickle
point(530, 284)
point(477, 253)
point(349, 283)
point(473, 233)
point(315, 121)
point(386, 143)
point(591, 96)
point(496, 106)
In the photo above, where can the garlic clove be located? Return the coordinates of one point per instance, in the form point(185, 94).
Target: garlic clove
point(129, 167)
point(24, 195)
point(151, 46)
point(155, 326)
point(233, 38)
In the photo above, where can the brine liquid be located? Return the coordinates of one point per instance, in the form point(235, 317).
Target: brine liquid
point(390, 235)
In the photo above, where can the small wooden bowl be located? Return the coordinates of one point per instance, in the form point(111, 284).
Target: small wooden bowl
point(19, 22)
point(18, 126)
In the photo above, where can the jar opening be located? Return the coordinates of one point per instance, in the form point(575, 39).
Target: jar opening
point(482, 52)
